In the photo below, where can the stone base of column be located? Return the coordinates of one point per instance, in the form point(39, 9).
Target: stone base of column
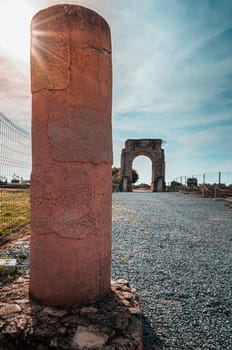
point(112, 323)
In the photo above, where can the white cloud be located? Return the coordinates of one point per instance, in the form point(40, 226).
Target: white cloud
point(15, 92)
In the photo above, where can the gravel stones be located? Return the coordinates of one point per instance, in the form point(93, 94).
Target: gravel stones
point(17, 252)
point(176, 250)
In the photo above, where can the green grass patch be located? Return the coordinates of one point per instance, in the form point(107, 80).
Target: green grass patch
point(14, 211)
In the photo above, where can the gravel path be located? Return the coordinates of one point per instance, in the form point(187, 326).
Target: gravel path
point(176, 250)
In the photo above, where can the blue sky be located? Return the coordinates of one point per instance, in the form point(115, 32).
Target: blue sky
point(172, 77)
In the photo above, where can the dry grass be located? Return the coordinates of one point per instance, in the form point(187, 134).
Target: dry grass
point(14, 211)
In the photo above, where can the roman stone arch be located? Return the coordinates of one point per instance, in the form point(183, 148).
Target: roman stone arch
point(151, 148)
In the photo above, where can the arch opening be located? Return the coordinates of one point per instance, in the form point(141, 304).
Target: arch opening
point(143, 166)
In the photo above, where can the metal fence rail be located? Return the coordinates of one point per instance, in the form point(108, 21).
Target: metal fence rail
point(15, 168)
point(219, 177)
point(217, 185)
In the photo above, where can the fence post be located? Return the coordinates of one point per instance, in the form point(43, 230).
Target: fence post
point(203, 189)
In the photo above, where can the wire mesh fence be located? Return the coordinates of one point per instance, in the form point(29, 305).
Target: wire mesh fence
point(15, 168)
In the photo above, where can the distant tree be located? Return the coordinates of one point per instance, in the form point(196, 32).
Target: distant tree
point(144, 185)
point(135, 176)
point(116, 175)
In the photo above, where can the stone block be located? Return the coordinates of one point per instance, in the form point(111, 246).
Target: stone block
point(7, 266)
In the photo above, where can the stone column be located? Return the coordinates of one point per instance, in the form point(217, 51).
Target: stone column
point(71, 77)
point(124, 184)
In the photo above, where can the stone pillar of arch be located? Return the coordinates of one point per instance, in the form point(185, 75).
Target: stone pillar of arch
point(151, 148)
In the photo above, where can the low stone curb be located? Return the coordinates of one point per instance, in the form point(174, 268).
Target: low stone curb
point(112, 323)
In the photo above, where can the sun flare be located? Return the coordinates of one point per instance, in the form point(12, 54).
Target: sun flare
point(15, 28)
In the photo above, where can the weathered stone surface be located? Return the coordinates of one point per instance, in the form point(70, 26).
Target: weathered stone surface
point(89, 309)
point(89, 337)
point(72, 156)
point(107, 324)
point(7, 309)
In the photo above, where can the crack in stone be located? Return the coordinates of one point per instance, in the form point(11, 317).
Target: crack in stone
point(98, 50)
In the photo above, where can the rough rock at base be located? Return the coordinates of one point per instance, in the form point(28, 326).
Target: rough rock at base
point(113, 323)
